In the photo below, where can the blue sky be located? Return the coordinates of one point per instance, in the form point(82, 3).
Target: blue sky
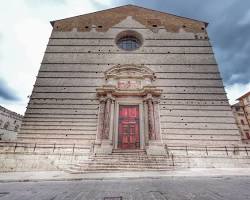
point(24, 34)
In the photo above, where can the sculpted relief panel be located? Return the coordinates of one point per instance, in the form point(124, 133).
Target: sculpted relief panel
point(129, 80)
point(129, 84)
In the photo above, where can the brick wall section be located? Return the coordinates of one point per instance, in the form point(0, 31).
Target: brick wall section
point(108, 18)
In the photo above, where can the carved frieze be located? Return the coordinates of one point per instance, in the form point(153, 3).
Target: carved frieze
point(129, 80)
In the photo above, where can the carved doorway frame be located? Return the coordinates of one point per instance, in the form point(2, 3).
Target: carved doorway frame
point(129, 101)
point(129, 85)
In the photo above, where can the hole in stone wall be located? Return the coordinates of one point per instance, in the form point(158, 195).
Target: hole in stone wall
point(86, 27)
point(154, 25)
point(99, 26)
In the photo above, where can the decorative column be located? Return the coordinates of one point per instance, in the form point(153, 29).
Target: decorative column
point(107, 119)
point(103, 144)
point(100, 120)
point(155, 145)
point(146, 132)
point(157, 119)
point(151, 124)
point(111, 126)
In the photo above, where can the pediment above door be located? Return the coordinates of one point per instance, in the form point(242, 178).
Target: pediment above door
point(124, 80)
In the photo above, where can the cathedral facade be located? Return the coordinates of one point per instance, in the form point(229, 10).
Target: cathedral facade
point(129, 78)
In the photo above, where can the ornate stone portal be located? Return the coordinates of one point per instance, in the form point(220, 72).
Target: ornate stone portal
point(129, 85)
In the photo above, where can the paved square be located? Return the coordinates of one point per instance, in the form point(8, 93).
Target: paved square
point(169, 188)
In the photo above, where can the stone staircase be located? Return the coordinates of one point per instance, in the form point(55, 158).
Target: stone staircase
point(120, 161)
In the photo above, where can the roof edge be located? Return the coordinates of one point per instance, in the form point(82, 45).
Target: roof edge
point(206, 23)
point(244, 95)
point(10, 112)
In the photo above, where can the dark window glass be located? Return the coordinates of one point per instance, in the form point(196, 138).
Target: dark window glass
point(128, 43)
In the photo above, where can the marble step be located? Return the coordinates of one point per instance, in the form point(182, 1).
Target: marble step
point(132, 151)
point(104, 170)
point(126, 164)
point(129, 157)
point(128, 160)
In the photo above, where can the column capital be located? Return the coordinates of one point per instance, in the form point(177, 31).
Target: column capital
point(102, 99)
point(106, 97)
point(148, 97)
point(156, 100)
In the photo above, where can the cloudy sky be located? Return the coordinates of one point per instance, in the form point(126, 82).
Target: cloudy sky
point(25, 30)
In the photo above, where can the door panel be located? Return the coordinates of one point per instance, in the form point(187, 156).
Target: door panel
point(129, 133)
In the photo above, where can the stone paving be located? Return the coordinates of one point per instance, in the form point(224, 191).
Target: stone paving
point(168, 188)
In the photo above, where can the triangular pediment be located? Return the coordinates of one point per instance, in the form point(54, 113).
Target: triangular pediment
point(104, 20)
point(129, 22)
point(129, 71)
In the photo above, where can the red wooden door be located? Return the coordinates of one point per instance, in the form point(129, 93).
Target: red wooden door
point(129, 134)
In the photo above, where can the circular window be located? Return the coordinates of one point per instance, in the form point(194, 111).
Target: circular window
point(128, 40)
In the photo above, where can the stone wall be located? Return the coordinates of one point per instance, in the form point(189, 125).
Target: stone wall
point(10, 123)
point(199, 156)
point(45, 157)
point(194, 109)
point(40, 157)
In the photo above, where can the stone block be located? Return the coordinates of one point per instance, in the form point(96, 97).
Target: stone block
point(105, 147)
point(156, 148)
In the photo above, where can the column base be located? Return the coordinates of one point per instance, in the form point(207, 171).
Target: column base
point(156, 148)
point(103, 147)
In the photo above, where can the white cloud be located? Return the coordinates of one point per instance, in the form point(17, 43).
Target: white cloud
point(236, 90)
point(24, 35)
point(245, 19)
